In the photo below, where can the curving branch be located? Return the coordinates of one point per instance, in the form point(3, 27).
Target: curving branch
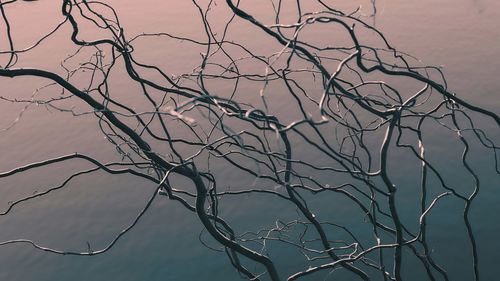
point(311, 124)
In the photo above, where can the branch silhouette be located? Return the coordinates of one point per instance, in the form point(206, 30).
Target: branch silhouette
point(341, 101)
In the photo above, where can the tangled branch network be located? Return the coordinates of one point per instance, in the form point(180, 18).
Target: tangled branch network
point(302, 104)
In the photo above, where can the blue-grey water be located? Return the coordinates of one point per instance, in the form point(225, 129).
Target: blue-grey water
point(461, 35)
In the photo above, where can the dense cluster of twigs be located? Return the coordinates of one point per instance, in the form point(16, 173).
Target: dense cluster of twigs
point(303, 121)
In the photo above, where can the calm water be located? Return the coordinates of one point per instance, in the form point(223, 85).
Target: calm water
point(461, 35)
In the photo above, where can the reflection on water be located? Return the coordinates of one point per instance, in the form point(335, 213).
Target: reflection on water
point(169, 241)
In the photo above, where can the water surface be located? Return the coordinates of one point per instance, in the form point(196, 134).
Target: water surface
point(460, 35)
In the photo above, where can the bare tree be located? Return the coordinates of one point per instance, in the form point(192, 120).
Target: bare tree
point(309, 123)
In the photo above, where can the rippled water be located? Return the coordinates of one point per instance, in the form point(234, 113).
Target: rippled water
point(463, 36)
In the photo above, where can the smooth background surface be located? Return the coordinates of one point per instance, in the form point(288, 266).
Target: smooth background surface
point(463, 36)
